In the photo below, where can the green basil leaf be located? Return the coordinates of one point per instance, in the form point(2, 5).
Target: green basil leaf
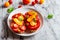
point(10, 10)
point(50, 16)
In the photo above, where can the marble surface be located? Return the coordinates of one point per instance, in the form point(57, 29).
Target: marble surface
point(50, 29)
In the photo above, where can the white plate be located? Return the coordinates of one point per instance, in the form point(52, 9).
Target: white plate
point(24, 10)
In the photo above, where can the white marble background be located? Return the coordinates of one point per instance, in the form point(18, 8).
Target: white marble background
point(50, 29)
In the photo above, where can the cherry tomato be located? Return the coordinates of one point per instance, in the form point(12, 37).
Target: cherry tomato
point(7, 4)
point(36, 1)
point(26, 1)
point(33, 3)
point(41, 1)
point(10, 1)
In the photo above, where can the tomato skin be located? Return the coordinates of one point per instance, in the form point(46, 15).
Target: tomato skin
point(36, 1)
point(10, 1)
point(33, 3)
point(34, 27)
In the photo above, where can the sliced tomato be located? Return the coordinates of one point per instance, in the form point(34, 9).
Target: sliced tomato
point(15, 30)
point(18, 31)
point(34, 27)
point(21, 31)
point(23, 28)
point(16, 26)
point(13, 25)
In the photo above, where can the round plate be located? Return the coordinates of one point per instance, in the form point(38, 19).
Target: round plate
point(23, 11)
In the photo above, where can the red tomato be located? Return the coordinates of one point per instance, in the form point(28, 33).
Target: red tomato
point(26, 1)
point(10, 1)
point(18, 31)
point(15, 30)
point(37, 18)
point(21, 31)
point(16, 15)
point(33, 3)
point(13, 25)
point(23, 28)
point(34, 27)
point(36, 1)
